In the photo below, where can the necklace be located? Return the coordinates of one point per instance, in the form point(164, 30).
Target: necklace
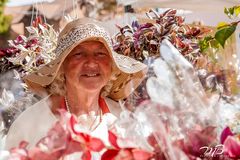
point(67, 105)
point(91, 126)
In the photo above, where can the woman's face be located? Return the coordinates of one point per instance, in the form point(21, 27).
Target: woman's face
point(88, 66)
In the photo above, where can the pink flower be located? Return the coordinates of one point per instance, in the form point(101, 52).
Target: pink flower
point(195, 139)
point(31, 43)
point(18, 40)
point(91, 143)
point(64, 139)
point(225, 133)
point(20, 152)
point(124, 153)
point(61, 140)
point(79, 141)
point(232, 147)
point(2, 53)
point(231, 143)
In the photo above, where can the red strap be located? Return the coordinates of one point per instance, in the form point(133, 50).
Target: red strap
point(103, 105)
point(63, 104)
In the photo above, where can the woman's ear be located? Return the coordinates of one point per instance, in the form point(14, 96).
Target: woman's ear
point(62, 72)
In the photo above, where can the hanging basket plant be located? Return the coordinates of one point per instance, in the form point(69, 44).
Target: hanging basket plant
point(29, 53)
point(141, 41)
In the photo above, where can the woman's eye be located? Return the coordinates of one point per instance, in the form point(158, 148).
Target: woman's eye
point(101, 54)
point(79, 54)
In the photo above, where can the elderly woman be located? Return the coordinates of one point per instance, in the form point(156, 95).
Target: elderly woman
point(87, 78)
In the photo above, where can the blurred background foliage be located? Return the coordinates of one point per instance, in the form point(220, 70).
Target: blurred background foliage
point(5, 20)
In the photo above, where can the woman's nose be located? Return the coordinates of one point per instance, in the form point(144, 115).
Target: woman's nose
point(91, 63)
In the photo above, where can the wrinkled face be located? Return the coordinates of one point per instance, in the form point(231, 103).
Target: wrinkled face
point(88, 66)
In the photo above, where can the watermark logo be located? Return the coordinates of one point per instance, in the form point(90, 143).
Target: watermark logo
point(214, 151)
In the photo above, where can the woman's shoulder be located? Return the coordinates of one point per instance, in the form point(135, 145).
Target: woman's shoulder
point(32, 119)
point(37, 109)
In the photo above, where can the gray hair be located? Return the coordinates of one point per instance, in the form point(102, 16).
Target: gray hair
point(57, 87)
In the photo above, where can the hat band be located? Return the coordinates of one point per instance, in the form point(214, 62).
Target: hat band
point(80, 33)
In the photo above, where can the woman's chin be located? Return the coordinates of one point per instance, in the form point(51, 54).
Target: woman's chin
point(91, 85)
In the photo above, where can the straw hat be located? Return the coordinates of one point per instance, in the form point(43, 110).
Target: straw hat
point(130, 72)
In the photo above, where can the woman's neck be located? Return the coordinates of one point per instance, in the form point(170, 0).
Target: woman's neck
point(82, 102)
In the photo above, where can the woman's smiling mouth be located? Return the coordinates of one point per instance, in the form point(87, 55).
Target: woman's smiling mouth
point(91, 75)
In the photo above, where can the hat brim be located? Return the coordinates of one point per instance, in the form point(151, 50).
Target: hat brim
point(130, 75)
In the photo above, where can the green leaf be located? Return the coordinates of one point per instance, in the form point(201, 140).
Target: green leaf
point(214, 44)
point(225, 10)
point(233, 11)
point(4, 19)
point(222, 24)
point(237, 10)
point(205, 43)
point(224, 33)
point(229, 11)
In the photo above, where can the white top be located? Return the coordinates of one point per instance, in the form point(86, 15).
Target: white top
point(34, 123)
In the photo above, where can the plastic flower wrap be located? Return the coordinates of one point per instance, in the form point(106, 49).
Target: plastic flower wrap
point(179, 76)
point(180, 118)
point(7, 98)
point(230, 127)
